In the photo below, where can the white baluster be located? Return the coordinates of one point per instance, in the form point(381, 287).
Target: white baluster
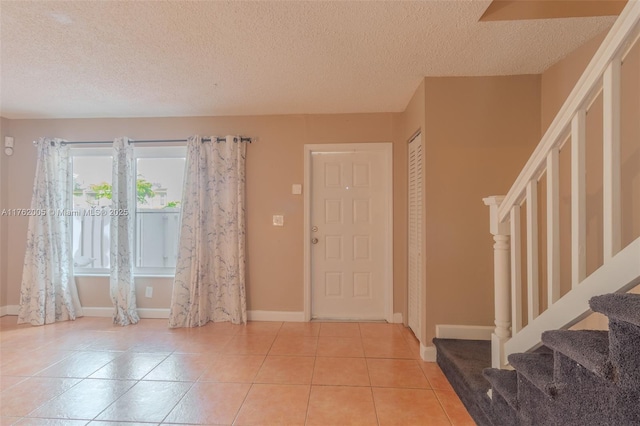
point(611, 157)
point(501, 282)
point(578, 198)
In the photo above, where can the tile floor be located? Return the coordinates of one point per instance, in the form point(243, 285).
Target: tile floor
point(265, 373)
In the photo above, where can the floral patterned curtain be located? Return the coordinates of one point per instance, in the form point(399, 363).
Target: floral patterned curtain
point(121, 284)
point(209, 284)
point(48, 291)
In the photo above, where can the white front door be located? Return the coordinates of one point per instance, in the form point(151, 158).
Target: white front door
point(350, 233)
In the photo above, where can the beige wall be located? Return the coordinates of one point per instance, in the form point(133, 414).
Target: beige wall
point(274, 254)
point(4, 131)
point(479, 132)
point(559, 80)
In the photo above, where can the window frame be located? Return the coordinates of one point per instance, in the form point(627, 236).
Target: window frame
point(160, 152)
point(151, 152)
point(84, 152)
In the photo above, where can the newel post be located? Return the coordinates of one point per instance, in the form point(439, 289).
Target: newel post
point(501, 282)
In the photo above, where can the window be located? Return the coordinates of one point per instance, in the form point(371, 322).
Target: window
point(158, 186)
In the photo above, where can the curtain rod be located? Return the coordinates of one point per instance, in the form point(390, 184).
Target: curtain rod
point(242, 139)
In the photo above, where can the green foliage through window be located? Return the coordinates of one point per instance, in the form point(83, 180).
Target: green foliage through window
point(144, 190)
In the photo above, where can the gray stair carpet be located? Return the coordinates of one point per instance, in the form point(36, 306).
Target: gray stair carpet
point(577, 378)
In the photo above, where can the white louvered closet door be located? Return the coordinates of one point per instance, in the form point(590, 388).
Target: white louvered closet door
point(415, 235)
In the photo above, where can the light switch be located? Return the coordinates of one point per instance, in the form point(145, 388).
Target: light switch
point(278, 220)
point(296, 189)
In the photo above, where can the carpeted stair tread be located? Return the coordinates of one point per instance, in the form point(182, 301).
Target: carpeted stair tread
point(619, 306)
point(589, 348)
point(543, 349)
point(462, 362)
point(537, 369)
point(470, 357)
point(505, 382)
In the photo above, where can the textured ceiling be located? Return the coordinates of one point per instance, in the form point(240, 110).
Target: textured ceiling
point(179, 58)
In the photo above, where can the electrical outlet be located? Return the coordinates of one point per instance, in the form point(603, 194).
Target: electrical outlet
point(148, 292)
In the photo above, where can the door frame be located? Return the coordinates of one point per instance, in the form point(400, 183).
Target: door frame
point(387, 149)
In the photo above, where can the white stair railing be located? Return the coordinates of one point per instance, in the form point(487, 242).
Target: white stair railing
point(620, 270)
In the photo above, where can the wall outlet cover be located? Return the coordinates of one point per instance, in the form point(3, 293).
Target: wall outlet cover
point(278, 220)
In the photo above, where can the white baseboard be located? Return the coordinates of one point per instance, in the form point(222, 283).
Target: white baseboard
point(145, 313)
point(464, 332)
point(290, 316)
point(9, 310)
point(158, 313)
point(428, 353)
point(148, 313)
point(397, 318)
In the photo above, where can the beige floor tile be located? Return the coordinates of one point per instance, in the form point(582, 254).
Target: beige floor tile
point(7, 381)
point(80, 364)
point(341, 371)
point(221, 328)
point(85, 400)
point(401, 407)
point(111, 341)
point(340, 329)
point(455, 409)
point(274, 405)
point(260, 327)
point(71, 341)
point(181, 367)
point(300, 329)
point(294, 345)
point(202, 343)
point(130, 366)
point(233, 368)
point(396, 373)
point(202, 375)
point(100, 423)
point(26, 396)
point(340, 347)
point(380, 330)
point(286, 370)
point(394, 347)
point(341, 405)
point(434, 374)
point(155, 342)
point(249, 344)
point(49, 422)
point(209, 403)
point(147, 401)
point(34, 362)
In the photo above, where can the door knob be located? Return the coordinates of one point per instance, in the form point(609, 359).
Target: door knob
point(314, 229)
point(314, 241)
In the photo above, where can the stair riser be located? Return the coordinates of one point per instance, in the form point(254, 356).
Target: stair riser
point(479, 409)
point(535, 407)
point(567, 371)
point(502, 411)
point(624, 341)
point(584, 397)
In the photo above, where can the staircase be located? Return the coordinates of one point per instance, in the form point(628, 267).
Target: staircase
point(541, 283)
point(577, 378)
point(542, 373)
